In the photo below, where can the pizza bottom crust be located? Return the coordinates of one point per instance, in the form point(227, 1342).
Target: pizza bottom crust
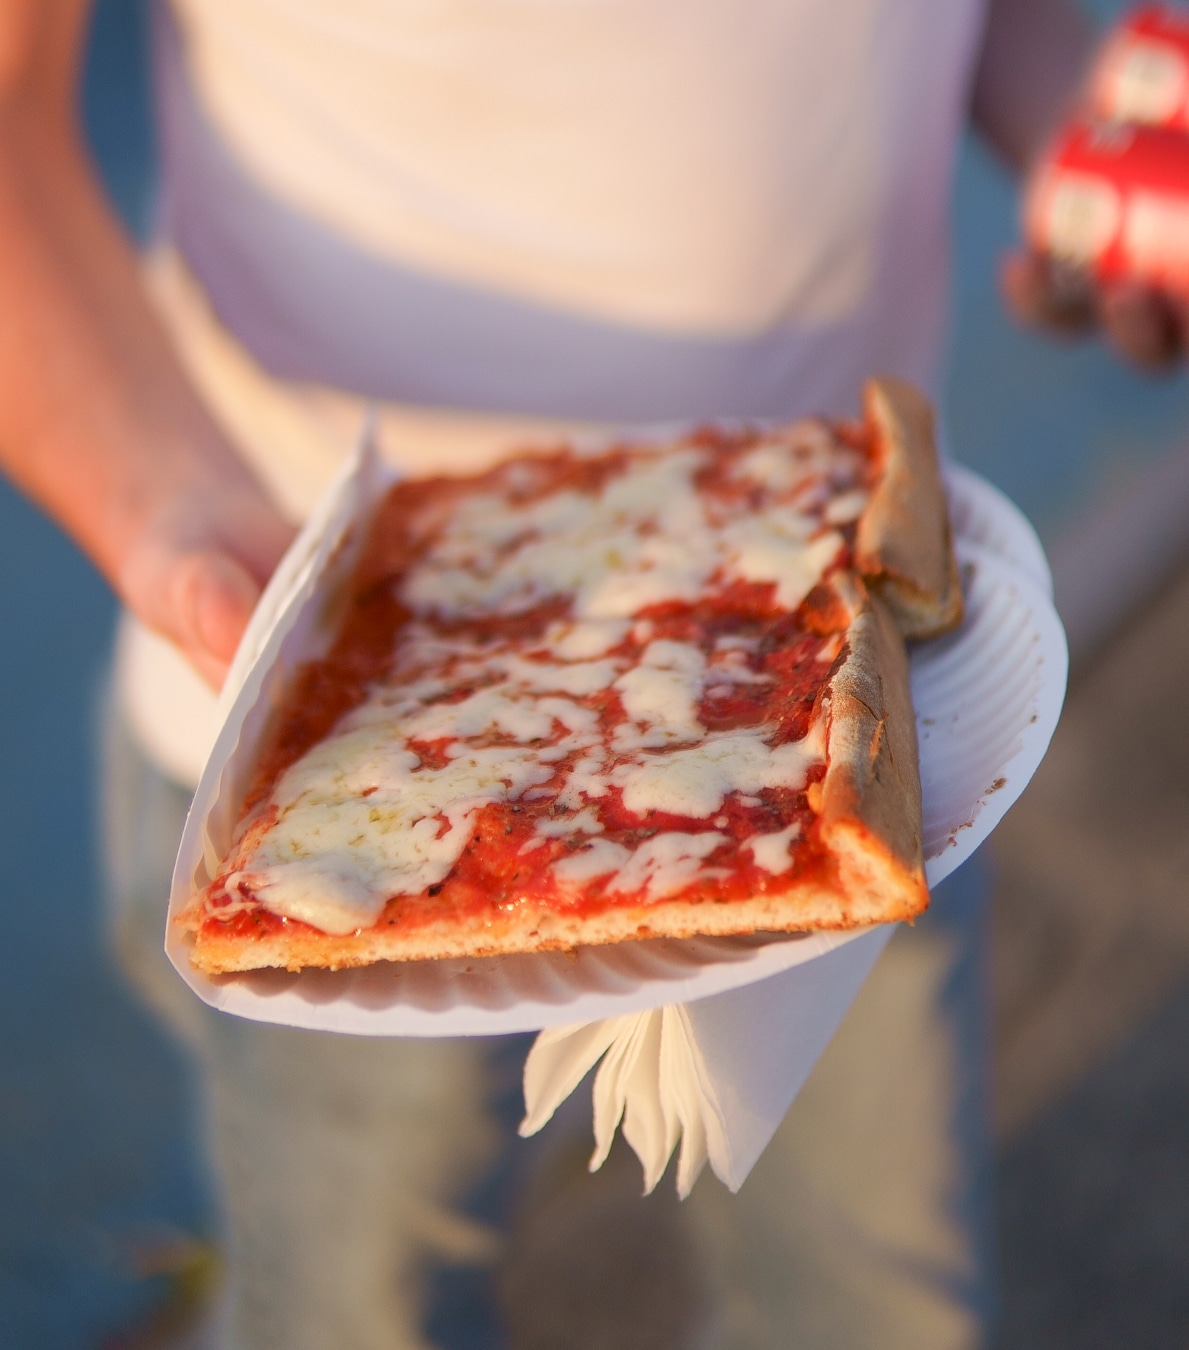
point(805, 907)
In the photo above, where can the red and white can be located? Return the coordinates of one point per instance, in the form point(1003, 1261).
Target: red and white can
point(1113, 200)
point(1142, 72)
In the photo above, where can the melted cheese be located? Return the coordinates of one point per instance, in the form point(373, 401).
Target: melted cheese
point(660, 696)
point(771, 851)
point(335, 855)
point(581, 641)
point(647, 538)
point(842, 510)
point(695, 780)
point(728, 665)
point(666, 863)
point(371, 812)
point(495, 555)
point(805, 450)
point(600, 858)
point(585, 821)
point(776, 549)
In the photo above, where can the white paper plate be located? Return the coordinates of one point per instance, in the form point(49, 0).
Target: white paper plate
point(987, 699)
point(983, 515)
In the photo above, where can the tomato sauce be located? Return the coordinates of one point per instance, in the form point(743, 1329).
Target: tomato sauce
point(506, 863)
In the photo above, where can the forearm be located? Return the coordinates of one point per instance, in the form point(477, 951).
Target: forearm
point(1034, 57)
point(97, 421)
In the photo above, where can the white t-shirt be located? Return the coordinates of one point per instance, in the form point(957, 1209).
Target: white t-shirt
point(579, 209)
point(689, 166)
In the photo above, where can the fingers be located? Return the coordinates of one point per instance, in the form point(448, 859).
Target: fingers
point(215, 597)
point(197, 570)
point(1042, 294)
point(1147, 327)
point(200, 601)
point(1143, 325)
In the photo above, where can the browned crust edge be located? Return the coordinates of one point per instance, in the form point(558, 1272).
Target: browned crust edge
point(870, 816)
point(806, 907)
point(903, 545)
point(870, 821)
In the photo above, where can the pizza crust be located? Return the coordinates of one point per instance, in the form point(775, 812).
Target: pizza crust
point(807, 908)
point(870, 813)
point(903, 547)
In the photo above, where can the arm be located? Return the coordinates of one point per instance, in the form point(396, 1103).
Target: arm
point(98, 423)
point(1034, 58)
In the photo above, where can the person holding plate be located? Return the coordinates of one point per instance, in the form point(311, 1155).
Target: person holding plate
point(494, 221)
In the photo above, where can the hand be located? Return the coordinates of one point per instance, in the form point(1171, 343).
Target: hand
point(195, 570)
point(1148, 328)
point(99, 423)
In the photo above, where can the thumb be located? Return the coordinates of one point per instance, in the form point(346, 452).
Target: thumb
point(214, 596)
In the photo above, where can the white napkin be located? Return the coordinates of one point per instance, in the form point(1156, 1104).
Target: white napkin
point(716, 1075)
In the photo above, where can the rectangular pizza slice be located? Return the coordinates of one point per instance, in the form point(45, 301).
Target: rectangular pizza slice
point(587, 698)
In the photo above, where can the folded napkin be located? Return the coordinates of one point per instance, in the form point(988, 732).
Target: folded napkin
point(715, 1076)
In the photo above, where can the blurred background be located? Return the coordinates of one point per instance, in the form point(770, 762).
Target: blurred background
point(102, 1199)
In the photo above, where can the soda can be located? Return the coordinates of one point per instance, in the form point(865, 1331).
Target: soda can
point(1111, 201)
point(1142, 71)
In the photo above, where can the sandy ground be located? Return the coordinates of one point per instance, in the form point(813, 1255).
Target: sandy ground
point(100, 1166)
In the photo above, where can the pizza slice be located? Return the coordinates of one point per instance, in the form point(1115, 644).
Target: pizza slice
point(588, 698)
